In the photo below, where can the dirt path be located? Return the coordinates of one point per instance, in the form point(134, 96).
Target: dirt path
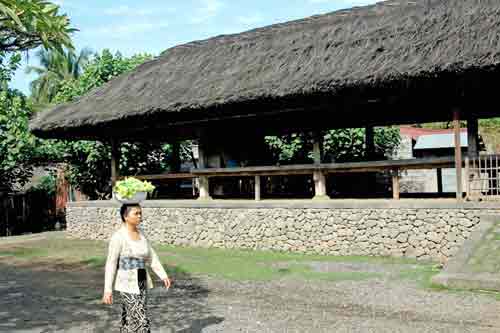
point(45, 299)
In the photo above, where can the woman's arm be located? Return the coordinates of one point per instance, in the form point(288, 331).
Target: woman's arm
point(112, 263)
point(156, 264)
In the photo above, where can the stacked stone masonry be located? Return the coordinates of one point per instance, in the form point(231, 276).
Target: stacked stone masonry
point(426, 234)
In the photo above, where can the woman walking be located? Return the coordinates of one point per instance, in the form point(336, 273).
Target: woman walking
point(128, 255)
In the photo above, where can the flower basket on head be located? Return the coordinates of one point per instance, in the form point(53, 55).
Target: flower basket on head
point(131, 190)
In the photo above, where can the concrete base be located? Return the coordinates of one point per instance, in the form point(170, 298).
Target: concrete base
point(321, 198)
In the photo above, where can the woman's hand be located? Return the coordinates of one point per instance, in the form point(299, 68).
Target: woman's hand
point(107, 298)
point(167, 283)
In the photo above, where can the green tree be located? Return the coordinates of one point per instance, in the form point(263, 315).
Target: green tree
point(89, 161)
point(55, 67)
point(339, 145)
point(17, 144)
point(27, 24)
point(100, 69)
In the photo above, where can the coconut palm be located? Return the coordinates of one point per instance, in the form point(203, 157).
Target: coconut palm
point(54, 68)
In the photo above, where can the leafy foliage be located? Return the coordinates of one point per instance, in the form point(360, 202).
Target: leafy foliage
point(90, 162)
point(102, 68)
point(27, 24)
point(339, 145)
point(55, 67)
point(47, 185)
point(17, 145)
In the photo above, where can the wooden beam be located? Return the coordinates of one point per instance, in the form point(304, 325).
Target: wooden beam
point(395, 184)
point(458, 153)
point(115, 161)
point(165, 176)
point(300, 169)
point(257, 188)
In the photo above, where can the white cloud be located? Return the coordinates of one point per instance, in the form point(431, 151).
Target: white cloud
point(208, 9)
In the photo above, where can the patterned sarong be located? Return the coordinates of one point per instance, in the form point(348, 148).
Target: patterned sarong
point(134, 308)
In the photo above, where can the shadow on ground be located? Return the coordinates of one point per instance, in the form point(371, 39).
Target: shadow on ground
point(38, 299)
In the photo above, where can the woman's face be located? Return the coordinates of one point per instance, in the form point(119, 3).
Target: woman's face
point(134, 216)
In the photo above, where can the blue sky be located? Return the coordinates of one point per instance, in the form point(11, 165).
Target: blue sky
point(152, 26)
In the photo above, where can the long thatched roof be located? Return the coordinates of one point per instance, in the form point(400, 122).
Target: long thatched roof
point(289, 65)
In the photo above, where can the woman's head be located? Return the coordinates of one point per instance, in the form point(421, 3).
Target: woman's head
point(131, 213)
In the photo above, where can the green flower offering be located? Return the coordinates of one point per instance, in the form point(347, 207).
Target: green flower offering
point(128, 187)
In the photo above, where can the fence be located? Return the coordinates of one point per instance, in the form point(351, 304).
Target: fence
point(483, 177)
point(27, 212)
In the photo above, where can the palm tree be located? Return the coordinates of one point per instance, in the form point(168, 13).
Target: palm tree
point(54, 68)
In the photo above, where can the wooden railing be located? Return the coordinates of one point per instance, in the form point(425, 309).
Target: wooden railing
point(483, 177)
point(319, 171)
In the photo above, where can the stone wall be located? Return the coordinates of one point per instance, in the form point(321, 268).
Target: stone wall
point(416, 233)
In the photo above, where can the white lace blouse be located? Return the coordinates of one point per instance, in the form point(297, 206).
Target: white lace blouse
point(125, 280)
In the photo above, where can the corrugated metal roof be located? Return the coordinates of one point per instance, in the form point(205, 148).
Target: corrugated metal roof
point(435, 141)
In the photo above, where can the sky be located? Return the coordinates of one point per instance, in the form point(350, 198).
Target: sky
point(150, 26)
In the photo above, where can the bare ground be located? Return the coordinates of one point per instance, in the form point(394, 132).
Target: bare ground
point(65, 298)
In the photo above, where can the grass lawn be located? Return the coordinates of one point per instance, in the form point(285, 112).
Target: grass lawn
point(231, 264)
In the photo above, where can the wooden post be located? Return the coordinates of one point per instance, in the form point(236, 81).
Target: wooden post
point(257, 188)
point(317, 148)
point(472, 154)
point(458, 153)
point(395, 184)
point(318, 176)
point(440, 180)
point(204, 186)
point(472, 137)
point(203, 180)
point(176, 159)
point(370, 142)
point(371, 179)
point(176, 164)
point(319, 185)
point(467, 178)
point(115, 161)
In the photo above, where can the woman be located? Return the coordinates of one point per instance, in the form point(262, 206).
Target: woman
point(129, 253)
